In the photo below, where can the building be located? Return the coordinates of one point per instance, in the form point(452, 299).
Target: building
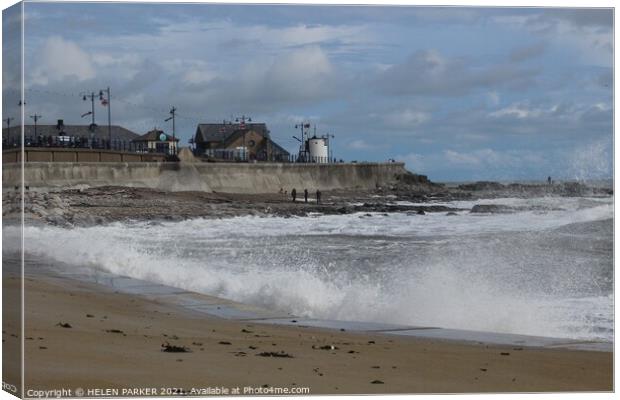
point(61, 135)
point(156, 141)
point(238, 142)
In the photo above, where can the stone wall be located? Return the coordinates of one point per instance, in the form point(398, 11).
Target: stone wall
point(217, 177)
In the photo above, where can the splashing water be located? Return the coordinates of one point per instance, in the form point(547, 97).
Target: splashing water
point(590, 162)
point(536, 272)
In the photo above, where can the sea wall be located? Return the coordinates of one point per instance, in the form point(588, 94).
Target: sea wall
point(215, 177)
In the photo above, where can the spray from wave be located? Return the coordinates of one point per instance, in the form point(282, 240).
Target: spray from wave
point(540, 273)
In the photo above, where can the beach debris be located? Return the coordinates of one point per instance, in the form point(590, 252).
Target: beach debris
point(170, 348)
point(252, 347)
point(280, 354)
point(197, 343)
point(115, 331)
point(64, 325)
point(377, 382)
point(483, 369)
point(90, 316)
point(517, 348)
point(504, 354)
point(375, 367)
point(352, 351)
point(342, 329)
point(246, 331)
point(179, 360)
point(240, 354)
point(371, 342)
point(326, 347)
point(29, 338)
point(42, 348)
point(225, 343)
point(294, 321)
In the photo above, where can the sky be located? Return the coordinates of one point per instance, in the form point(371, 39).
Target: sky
point(455, 93)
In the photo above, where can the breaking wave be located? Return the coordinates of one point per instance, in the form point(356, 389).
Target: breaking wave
point(543, 272)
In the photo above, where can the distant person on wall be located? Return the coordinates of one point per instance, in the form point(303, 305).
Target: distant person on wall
point(306, 195)
point(318, 196)
point(294, 194)
point(549, 180)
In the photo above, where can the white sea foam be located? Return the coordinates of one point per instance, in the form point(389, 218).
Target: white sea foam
point(496, 272)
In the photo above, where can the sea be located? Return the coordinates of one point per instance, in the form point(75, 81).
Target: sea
point(545, 270)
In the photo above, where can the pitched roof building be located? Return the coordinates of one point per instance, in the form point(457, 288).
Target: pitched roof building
point(156, 141)
point(100, 132)
point(241, 142)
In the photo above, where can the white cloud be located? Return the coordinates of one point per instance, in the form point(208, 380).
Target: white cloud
point(523, 110)
point(456, 158)
point(578, 30)
point(60, 59)
point(360, 144)
point(407, 118)
point(430, 73)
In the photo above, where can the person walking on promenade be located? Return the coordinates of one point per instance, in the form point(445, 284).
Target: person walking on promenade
point(318, 196)
point(306, 195)
point(294, 194)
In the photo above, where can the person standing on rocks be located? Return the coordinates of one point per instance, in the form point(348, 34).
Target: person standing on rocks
point(294, 194)
point(306, 195)
point(318, 196)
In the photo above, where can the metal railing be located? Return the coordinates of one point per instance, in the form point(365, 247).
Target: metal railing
point(236, 155)
point(79, 142)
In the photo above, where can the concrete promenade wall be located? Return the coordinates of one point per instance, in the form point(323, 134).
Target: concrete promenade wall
point(216, 177)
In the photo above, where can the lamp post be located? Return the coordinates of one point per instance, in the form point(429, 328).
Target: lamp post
point(106, 101)
point(303, 127)
point(35, 118)
point(85, 97)
point(242, 120)
point(173, 111)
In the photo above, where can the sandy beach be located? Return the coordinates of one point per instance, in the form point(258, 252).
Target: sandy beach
point(85, 335)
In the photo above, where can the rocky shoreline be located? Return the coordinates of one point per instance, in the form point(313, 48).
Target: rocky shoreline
point(102, 205)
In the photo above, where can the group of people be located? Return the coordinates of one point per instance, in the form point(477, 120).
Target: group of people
point(294, 195)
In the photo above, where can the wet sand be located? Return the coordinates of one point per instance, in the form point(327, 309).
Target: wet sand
point(115, 341)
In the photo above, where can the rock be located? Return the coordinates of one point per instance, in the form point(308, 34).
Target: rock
point(481, 185)
point(492, 208)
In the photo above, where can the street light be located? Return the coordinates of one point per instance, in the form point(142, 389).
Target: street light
point(85, 97)
point(106, 102)
point(35, 117)
point(173, 111)
point(242, 120)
